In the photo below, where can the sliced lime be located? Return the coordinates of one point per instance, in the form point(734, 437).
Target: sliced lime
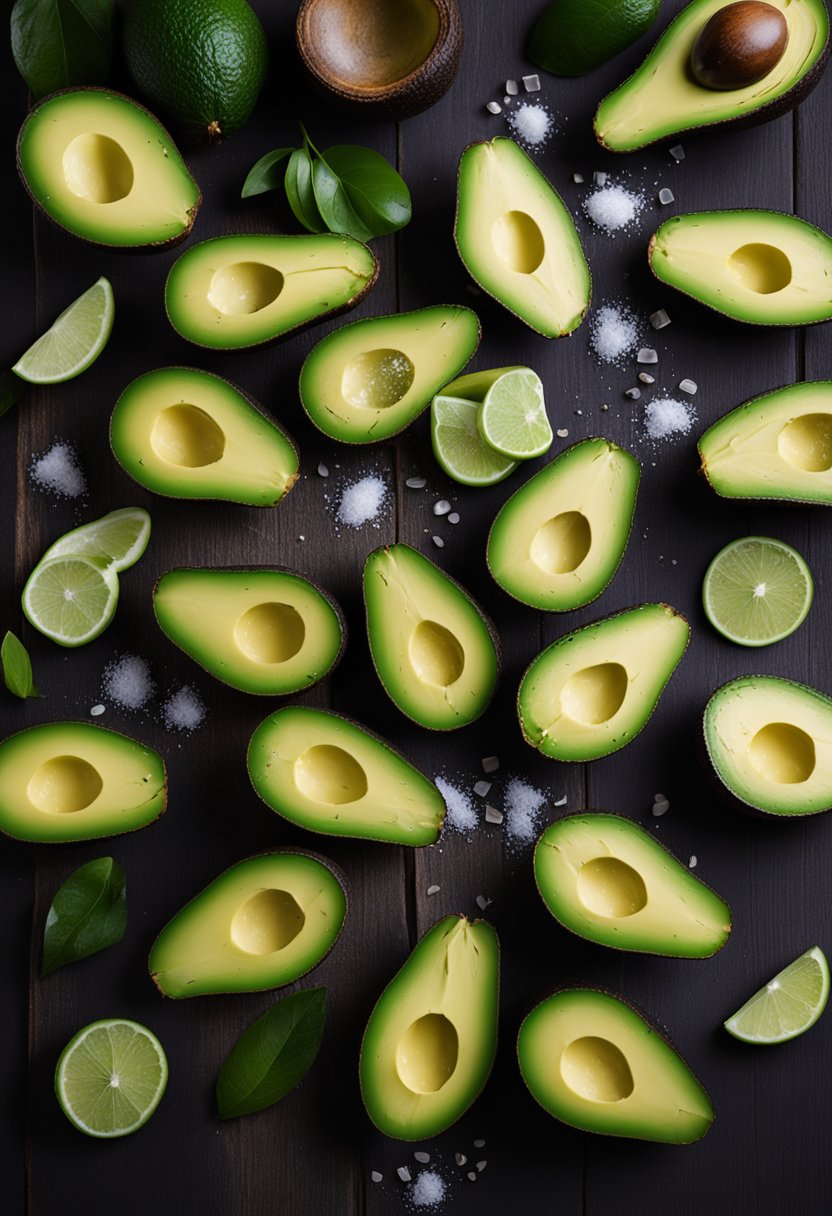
point(119, 538)
point(789, 1004)
point(75, 340)
point(757, 591)
point(71, 599)
point(459, 447)
point(513, 419)
point(110, 1077)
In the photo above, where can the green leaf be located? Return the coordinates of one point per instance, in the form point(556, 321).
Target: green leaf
point(270, 1057)
point(12, 388)
point(376, 192)
point(334, 204)
point(265, 176)
point(17, 667)
point(61, 43)
point(298, 183)
point(88, 914)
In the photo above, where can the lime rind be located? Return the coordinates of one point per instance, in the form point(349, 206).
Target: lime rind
point(512, 419)
point(74, 341)
point(788, 1005)
point(119, 538)
point(730, 600)
point(458, 446)
point(111, 1077)
point(71, 600)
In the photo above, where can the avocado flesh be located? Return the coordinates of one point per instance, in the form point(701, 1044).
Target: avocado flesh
point(189, 434)
point(262, 924)
point(518, 240)
point(594, 1063)
point(606, 879)
point(329, 775)
point(776, 446)
point(770, 743)
point(763, 267)
point(262, 631)
point(369, 379)
point(66, 781)
point(591, 692)
point(431, 646)
point(662, 98)
point(432, 1036)
point(104, 169)
point(558, 541)
point(233, 292)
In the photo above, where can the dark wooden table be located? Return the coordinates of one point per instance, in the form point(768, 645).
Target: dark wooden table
point(312, 1155)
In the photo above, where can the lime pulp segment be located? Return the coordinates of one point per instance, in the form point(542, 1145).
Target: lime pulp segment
point(788, 1005)
point(119, 538)
point(458, 446)
point(74, 341)
point(71, 599)
point(757, 591)
point(111, 1077)
point(513, 419)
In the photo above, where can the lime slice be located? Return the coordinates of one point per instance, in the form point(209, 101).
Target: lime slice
point(757, 591)
point(75, 340)
point(459, 447)
point(119, 538)
point(71, 599)
point(110, 1077)
point(513, 419)
point(789, 1004)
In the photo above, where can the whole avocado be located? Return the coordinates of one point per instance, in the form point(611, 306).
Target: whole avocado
point(200, 62)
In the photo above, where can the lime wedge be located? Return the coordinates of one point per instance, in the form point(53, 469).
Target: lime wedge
point(513, 419)
point(110, 1077)
point(757, 591)
point(459, 447)
point(789, 1004)
point(75, 340)
point(71, 599)
point(119, 538)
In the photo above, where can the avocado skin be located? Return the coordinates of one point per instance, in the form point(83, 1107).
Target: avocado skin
point(151, 246)
point(775, 108)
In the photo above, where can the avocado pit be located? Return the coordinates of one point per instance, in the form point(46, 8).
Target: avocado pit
point(244, 288)
point(739, 45)
point(427, 1053)
point(783, 753)
point(763, 269)
point(97, 169)
point(805, 443)
point(610, 888)
point(597, 1070)
point(64, 785)
point(266, 922)
point(561, 544)
point(187, 436)
point(435, 654)
point(270, 632)
point(594, 694)
point(377, 379)
point(518, 241)
point(326, 773)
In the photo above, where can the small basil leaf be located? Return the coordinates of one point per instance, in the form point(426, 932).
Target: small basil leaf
point(265, 176)
point(88, 913)
point(17, 667)
point(337, 211)
point(298, 184)
point(60, 43)
point(270, 1057)
point(375, 190)
point(12, 388)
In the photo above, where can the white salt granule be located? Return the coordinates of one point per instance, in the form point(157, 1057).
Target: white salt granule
point(128, 682)
point(428, 1190)
point(522, 805)
point(461, 816)
point(613, 333)
point(59, 471)
point(532, 124)
point(612, 208)
point(184, 710)
point(665, 416)
point(362, 501)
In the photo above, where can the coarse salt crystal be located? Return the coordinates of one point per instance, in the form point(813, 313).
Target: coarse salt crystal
point(416, 483)
point(677, 152)
point(442, 507)
point(461, 816)
point(666, 196)
point(438, 541)
point(646, 378)
point(490, 764)
point(375, 1176)
point(97, 710)
point(422, 1157)
point(404, 1173)
point(58, 471)
point(633, 393)
point(460, 1159)
point(512, 88)
point(688, 386)
point(128, 682)
point(531, 83)
point(659, 319)
point(494, 107)
point(532, 124)
point(453, 518)
point(647, 355)
point(692, 862)
point(492, 815)
point(666, 416)
point(561, 801)
point(562, 432)
point(483, 902)
point(434, 889)
point(482, 788)
point(323, 471)
point(362, 500)
point(612, 208)
point(184, 710)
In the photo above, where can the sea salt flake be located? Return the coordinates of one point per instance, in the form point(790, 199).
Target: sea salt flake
point(512, 88)
point(633, 393)
point(561, 801)
point(677, 152)
point(578, 179)
point(362, 500)
point(600, 178)
point(666, 196)
point(494, 107)
point(479, 1144)
point(647, 355)
point(416, 483)
point(442, 507)
point(688, 386)
point(404, 1173)
point(460, 1159)
point(492, 815)
point(483, 902)
point(472, 1175)
point(59, 471)
point(482, 788)
point(461, 815)
point(433, 890)
point(531, 83)
point(481, 1166)
point(490, 764)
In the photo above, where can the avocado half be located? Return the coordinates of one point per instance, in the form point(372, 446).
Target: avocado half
point(662, 99)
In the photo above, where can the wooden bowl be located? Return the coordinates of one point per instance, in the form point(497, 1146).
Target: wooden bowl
point(392, 58)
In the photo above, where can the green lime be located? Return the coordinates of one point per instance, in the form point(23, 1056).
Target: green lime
point(572, 37)
point(119, 538)
point(757, 591)
point(71, 599)
point(110, 1077)
point(512, 419)
point(75, 340)
point(789, 1004)
point(459, 447)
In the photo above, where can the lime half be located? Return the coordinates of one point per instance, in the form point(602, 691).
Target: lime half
point(119, 538)
point(75, 340)
point(757, 591)
point(110, 1077)
point(459, 447)
point(71, 599)
point(513, 419)
point(789, 1004)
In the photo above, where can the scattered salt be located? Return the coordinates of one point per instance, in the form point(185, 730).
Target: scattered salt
point(461, 815)
point(532, 124)
point(667, 416)
point(128, 682)
point(613, 333)
point(522, 804)
point(612, 208)
point(184, 710)
point(97, 711)
point(659, 319)
point(362, 500)
point(58, 471)
point(599, 178)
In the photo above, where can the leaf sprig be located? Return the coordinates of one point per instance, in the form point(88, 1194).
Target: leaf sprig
point(87, 914)
point(348, 188)
point(61, 43)
point(17, 667)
